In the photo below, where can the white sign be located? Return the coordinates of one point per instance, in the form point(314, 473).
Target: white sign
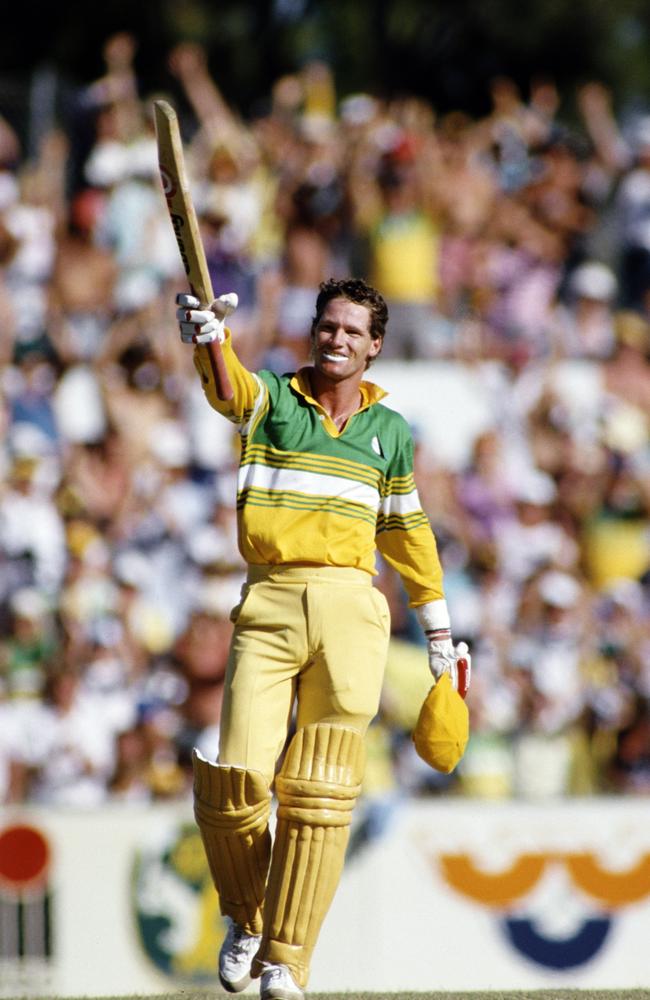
point(453, 895)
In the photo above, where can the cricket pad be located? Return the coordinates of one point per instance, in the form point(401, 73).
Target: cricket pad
point(442, 730)
point(317, 788)
point(232, 806)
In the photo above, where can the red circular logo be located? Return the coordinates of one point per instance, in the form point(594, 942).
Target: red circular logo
point(24, 857)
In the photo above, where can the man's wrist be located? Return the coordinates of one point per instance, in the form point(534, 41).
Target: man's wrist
point(438, 635)
point(434, 618)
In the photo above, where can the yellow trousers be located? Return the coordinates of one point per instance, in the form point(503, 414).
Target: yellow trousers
point(313, 636)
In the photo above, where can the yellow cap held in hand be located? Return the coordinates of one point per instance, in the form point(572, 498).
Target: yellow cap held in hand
point(442, 730)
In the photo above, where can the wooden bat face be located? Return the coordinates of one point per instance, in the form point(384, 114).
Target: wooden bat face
point(175, 187)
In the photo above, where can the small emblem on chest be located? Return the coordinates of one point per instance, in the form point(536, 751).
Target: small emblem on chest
point(376, 446)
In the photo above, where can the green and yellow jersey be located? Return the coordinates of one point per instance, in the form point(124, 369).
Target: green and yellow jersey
point(309, 493)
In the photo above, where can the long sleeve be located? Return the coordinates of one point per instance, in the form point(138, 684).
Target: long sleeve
point(404, 535)
point(247, 387)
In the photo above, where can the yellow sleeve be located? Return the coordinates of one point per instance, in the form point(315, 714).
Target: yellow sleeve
point(404, 536)
point(414, 554)
point(246, 386)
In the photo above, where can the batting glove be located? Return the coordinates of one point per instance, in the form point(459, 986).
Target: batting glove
point(444, 657)
point(203, 326)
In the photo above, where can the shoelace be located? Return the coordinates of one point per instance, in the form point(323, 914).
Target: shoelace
point(242, 942)
point(275, 976)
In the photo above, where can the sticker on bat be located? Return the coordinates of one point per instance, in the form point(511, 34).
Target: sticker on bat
point(168, 182)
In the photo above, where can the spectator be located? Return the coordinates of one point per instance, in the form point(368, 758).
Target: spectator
point(584, 327)
point(65, 744)
point(633, 211)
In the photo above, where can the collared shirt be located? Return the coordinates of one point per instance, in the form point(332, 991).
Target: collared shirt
point(311, 493)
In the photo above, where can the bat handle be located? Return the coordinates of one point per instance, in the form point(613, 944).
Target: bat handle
point(219, 371)
point(463, 667)
point(463, 676)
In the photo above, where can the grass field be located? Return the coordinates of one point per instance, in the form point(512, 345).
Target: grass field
point(558, 994)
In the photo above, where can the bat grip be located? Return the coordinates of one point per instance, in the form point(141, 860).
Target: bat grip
point(219, 371)
point(463, 676)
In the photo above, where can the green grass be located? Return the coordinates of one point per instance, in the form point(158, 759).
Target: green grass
point(559, 994)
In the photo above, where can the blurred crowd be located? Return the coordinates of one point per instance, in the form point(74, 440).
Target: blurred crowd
point(514, 252)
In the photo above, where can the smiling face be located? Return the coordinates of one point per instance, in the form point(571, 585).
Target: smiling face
point(342, 346)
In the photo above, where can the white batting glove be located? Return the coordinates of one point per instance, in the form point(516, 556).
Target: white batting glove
point(444, 657)
point(203, 326)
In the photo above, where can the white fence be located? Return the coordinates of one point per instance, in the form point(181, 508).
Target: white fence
point(455, 895)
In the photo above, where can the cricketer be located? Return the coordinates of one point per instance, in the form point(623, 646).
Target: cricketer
point(325, 480)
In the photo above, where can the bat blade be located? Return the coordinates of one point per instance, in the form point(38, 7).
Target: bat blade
point(171, 163)
point(173, 176)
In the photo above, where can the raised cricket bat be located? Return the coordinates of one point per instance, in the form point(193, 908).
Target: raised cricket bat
point(173, 175)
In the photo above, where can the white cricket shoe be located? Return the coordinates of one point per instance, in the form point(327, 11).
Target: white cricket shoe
point(277, 983)
point(236, 957)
